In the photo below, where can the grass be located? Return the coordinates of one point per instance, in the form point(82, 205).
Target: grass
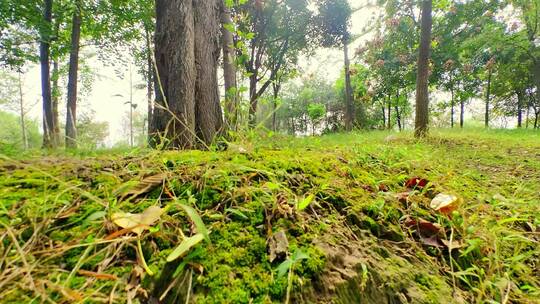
point(355, 232)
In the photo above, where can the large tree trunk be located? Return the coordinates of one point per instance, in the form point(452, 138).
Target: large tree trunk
point(396, 107)
point(44, 54)
point(229, 70)
point(488, 97)
point(71, 113)
point(349, 117)
point(422, 80)
point(208, 114)
point(174, 108)
point(55, 94)
point(22, 113)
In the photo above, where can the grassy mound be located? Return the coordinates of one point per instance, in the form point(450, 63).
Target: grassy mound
point(337, 219)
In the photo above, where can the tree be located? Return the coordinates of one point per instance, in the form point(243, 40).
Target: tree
point(422, 90)
point(334, 23)
point(71, 115)
point(229, 68)
point(316, 112)
point(44, 58)
point(187, 112)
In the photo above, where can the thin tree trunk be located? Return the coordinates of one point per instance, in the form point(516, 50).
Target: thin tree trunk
point(21, 109)
point(349, 119)
point(229, 70)
point(44, 54)
point(384, 114)
point(519, 109)
point(55, 95)
point(276, 88)
point(396, 107)
point(488, 97)
point(253, 100)
point(389, 105)
point(71, 114)
point(536, 114)
point(462, 113)
point(174, 109)
point(422, 80)
point(452, 105)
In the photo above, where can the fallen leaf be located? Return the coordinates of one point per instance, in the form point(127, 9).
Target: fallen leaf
point(403, 197)
point(431, 241)
point(444, 203)
point(452, 245)
point(424, 227)
point(145, 186)
point(277, 245)
point(383, 188)
point(137, 222)
point(416, 183)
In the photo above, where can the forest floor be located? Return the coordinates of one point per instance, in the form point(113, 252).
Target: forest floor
point(333, 219)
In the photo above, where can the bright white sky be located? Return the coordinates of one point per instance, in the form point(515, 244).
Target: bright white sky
point(108, 83)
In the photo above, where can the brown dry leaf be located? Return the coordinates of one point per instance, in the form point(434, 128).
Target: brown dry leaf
point(138, 222)
point(453, 245)
point(145, 186)
point(444, 203)
point(424, 227)
point(278, 246)
point(416, 183)
point(97, 275)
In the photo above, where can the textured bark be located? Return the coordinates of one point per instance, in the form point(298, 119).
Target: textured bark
point(349, 116)
point(229, 71)
point(398, 114)
point(55, 91)
point(488, 98)
point(71, 113)
point(208, 115)
point(422, 92)
point(44, 54)
point(276, 86)
point(174, 110)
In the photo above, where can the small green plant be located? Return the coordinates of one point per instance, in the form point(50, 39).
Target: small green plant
point(287, 267)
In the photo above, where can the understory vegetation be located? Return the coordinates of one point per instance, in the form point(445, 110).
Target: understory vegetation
point(344, 218)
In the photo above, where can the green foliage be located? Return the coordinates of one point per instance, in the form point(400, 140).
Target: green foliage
point(11, 141)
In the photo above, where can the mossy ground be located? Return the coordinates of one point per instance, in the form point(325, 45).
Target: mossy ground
point(58, 209)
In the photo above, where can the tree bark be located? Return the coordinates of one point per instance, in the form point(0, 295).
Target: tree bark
point(349, 117)
point(452, 109)
point(488, 97)
point(22, 113)
point(44, 54)
point(519, 109)
point(208, 113)
point(71, 113)
point(276, 88)
point(174, 108)
point(396, 107)
point(229, 71)
point(422, 80)
point(389, 105)
point(462, 113)
point(55, 95)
